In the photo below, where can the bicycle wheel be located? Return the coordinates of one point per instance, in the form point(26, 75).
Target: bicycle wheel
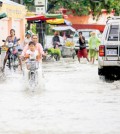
point(32, 80)
point(9, 63)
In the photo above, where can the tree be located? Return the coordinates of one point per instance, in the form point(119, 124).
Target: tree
point(81, 7)
point(84, 7)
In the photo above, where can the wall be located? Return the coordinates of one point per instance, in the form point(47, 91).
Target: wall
point(15, 19)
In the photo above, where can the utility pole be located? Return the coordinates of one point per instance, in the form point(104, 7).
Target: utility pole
point(41, 8)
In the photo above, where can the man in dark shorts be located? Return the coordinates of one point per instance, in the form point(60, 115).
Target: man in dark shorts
point(82, 52)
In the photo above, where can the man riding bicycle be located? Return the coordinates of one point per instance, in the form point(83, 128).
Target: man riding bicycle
point(38, 47)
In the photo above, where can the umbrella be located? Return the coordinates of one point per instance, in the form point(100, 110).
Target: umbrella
point(58, 22)
point(57, 16)
point(55, 21)
point(63, 28)
point(68, 23)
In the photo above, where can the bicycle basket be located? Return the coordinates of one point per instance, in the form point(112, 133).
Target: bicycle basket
point(33, 65)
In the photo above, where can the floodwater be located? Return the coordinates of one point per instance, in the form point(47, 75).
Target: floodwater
point(72, 99)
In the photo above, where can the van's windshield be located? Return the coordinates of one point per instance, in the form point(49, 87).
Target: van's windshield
point(114, 34)
point(86, 34)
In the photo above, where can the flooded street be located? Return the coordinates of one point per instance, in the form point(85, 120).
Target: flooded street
point(72, 100)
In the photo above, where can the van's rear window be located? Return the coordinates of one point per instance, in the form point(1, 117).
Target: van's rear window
point(114, 34)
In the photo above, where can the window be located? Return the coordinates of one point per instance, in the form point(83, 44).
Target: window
point(86, 34)
point(114, 33)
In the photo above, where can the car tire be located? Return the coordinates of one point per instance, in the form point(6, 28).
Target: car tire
point(100, 71)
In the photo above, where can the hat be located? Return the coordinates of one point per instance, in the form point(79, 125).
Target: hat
point(28, 32)
point(93, 33)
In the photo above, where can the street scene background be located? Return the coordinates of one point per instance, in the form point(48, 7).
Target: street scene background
point(74, 97)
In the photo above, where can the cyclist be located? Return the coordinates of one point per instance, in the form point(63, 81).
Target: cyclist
point(31, 53)
point(12, 38)
point(38, 47)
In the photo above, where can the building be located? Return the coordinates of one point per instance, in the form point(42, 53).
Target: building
point(15, 19)
point(87, 22)
point(18, 1)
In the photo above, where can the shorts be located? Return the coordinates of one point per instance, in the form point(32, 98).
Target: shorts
point(82, 53)
point(92, 53)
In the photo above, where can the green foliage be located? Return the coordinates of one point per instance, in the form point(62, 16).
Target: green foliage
point(81, 7)
point(84, 7)
point(34, 28)
point(28, 2)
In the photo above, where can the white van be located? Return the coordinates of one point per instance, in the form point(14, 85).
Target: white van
point(109, 50)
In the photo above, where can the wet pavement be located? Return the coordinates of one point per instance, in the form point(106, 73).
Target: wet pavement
point(72, 99)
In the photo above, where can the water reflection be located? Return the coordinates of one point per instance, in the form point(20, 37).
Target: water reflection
point(73, 101)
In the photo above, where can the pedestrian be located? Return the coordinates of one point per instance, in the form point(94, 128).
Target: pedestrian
point(28, 38)
point(55, 39)
point(82, 52)
point(94, 43)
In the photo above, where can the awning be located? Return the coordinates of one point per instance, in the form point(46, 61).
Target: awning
point(63, 28)
point(89, 26)
point(12, 3)
point(3, 15)
point(38, 17)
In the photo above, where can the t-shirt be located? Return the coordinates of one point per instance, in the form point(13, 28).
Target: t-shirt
point(38, 46)
point(94, 42)
point(82, 44)
point(33, 55)
point(26, 41)
point(56, 39)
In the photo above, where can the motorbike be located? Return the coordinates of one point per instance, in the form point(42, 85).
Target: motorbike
point(13, 60)
point(32, 66)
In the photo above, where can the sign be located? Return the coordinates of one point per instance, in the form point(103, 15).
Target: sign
point(40, 10)
point(40, 2)
point(111, 51)
point(14, 11)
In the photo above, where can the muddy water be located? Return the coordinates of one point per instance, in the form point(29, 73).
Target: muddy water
point(71, 100)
